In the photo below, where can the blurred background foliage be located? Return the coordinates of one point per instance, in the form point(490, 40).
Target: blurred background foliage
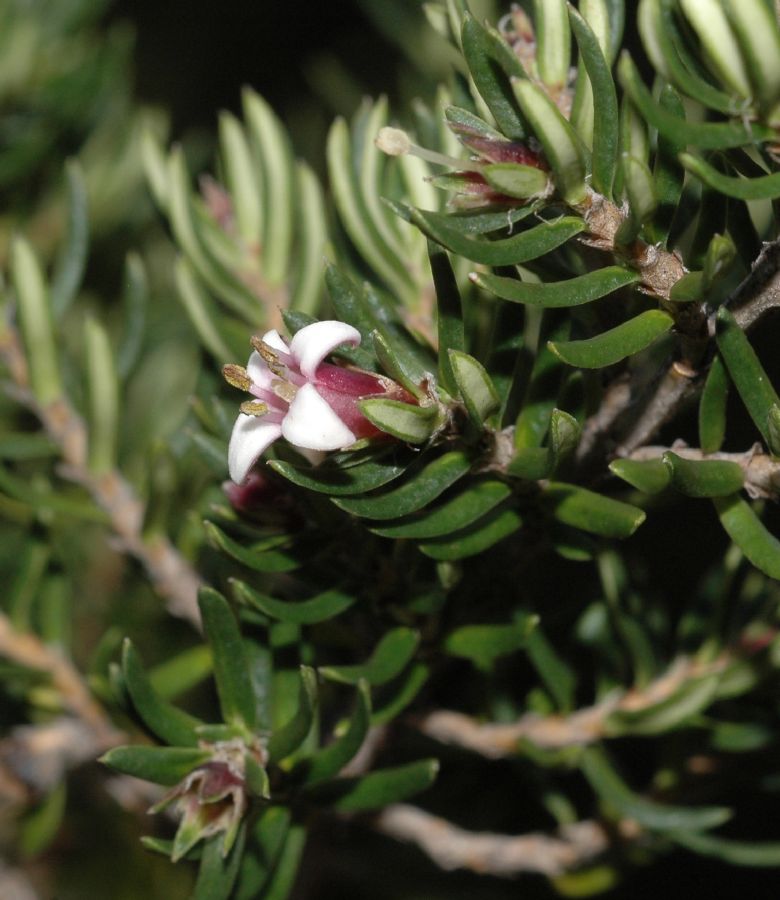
point(90, 81)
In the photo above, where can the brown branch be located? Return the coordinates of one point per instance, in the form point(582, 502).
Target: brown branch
point(501, 855)
point(171, 575)
point(586, 726)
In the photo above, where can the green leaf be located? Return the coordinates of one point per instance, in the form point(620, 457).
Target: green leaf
point(688, 289)
point(773, 430)
point(763, 187)
point(573, 292)
point(755, 25)
point(704, 478)
point(694, 696)
point(712, 407)
point(377, 789)
point(557, 676)
point(72, 259)
point(201, 311)
point(414, 424)
point(390, 657)
point(492, 63)
point(410, 686)
point(286, 740)
point(639, 189)
point(261, 557)
point(516, 250)
point(475, 386)
point(668, 174)
point(395, 364)
point(160, 765)
point(606, 123)
point(453, 515)
point(135, 300)
point(417, 491)
point(288, 866)
point(218, 872)
point(553, 42)
point(324, 606)
point(484, 644)
point(103, 398)
point(591, 512)
point(704, 135)
point(36, 321)
point(562, 147)
point(611, 346)
point(172, 725)
point(565, 434)
point(746, 371)
point(331, 760)
point(709, 22)
point(756, 854)
point(648, 475)
point(515, 180)
point(341, 482)
point(231, 670)
point(450, 313)
point(476, 538)
point(748, 532)
point(655, 816)
point(41, 826)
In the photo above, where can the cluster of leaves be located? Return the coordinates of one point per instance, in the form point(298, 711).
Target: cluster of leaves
point(589, 261)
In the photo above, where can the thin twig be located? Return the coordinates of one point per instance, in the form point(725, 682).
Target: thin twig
point(171, 575)
point(583, 727)
point(501, 855)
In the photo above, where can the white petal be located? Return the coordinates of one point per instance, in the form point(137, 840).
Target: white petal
point(251, 435)
point(275, 340)
point(258, 371)
point(312, 424)
point(314, 342)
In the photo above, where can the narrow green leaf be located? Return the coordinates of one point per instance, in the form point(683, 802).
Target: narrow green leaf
point(655, 816)
point(692, 698)
point(712, 407)
point(492, 63)
point(218, 872)
point(557, 675)
point(160, 765)
point(329, 761)
point(565, 434)
point(553, 42)
point(704, 478)
point(231, 671)
point(746, 371)
point(340, 482)
point(592, 512)
point(688, 289)
point(476, 221)
point(411, 684)
point(320, 608)
point(170, 724)
point(312, 239)
point(390, 657)
point(649, 475)
point(286, 871)
point(201, 311)
point(515, 180)
point(272, 157)
point(562, 147)
point(449, 313)
point(476, 538)
point(755, 25)
point(606, 123)
point(484, 644)
point(416, 492)
point(763, 187)
point(458, 513)
point(709, 21)
point(414, 424)
point(703, 135)
point(36, 321)
point(474, 386)
point(262, 557)
point(749, 533)
point(135, 300)
point(103, 398)
point(41, 826)
point(516, 250)
point(639, 189)
point(286, 740)
point(72, 258)
point(378, 788)
point(616, 344)
point(242, 179)
point(773, 430)
point(182, 672)
point(668, 174)
point(756, 854)
point(573, 292)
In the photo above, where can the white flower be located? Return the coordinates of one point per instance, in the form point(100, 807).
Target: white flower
point(311, 403)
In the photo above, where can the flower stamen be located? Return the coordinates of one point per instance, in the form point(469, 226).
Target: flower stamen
point(254, 408)
point(236, 376)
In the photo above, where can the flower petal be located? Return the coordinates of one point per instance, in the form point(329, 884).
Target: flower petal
point(275, 340)
point(312, 424)
point(257, 369)
point(251, 435)
point(314, 342)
